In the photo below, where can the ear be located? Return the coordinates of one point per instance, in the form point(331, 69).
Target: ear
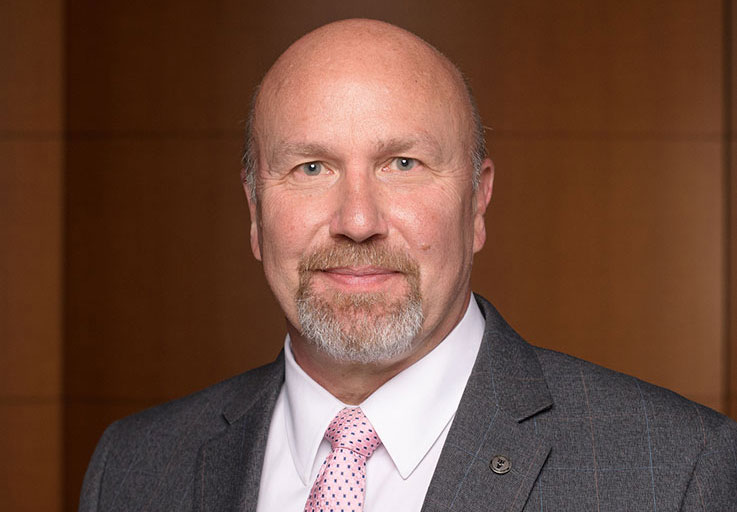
point(482, 197)
point(253, 210)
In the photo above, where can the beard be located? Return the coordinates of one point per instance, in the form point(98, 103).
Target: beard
point(363, 327)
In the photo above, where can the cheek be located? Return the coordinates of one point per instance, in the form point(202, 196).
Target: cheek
point(281, 244)
point(435, 224)
point(290, 226)
point(278, 239)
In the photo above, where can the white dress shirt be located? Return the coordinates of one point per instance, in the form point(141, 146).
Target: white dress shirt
point(411, 413)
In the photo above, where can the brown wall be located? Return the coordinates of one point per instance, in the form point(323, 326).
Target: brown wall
point(608, 228)
point(31, 149)
point(609, 233)
point(730, 194)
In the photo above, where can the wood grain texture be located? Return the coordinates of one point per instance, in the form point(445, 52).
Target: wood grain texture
point(30, 268)
point(32, 68)
point(730, 185)
point(612, 250)
point(160, 279)
point(31, 258)
point(31, 453)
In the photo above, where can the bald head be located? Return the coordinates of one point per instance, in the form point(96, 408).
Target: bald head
point(363, 138)
point(354, 54)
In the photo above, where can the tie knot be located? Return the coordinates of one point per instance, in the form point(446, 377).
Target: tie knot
point(350, 429)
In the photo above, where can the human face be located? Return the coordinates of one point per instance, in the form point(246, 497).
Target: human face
point(346, 159)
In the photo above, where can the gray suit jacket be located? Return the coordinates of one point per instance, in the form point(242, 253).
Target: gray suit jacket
point(579, 438)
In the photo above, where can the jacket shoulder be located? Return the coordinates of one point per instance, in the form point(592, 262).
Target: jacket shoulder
point(620, 428)
point(205, 408)
point(582, 387)
point(154, 452)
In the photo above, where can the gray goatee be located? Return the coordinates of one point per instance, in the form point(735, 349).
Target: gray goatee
point(359, 327)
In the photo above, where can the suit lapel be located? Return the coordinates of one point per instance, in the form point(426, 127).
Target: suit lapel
point(495, 418)
point(229, 464)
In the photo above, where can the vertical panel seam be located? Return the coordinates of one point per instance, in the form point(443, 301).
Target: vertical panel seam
point(729, 285)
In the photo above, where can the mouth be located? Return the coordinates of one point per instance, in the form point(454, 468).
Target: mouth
point(350, 268)
point(366, 278)
point(359, 271)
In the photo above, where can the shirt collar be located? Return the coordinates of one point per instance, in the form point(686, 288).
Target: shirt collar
point(409, 412)
point(309, 410)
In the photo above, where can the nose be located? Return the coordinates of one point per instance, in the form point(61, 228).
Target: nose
point(359, 214)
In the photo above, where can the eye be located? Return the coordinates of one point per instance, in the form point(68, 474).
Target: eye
point(402, 163)
point(312, 168)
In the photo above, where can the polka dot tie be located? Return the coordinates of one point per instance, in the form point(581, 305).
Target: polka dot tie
point(341, 483)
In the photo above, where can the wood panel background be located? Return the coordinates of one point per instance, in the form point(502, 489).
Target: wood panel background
point(730, 194)
point(31, 256)
point(611, 232)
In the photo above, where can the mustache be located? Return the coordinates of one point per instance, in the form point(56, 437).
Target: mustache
point(345, 253)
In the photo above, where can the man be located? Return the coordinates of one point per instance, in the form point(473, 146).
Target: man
point(367, 183)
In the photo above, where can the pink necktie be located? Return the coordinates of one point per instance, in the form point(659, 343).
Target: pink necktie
point(341, 482)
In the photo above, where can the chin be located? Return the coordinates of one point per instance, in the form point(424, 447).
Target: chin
point(362, 327)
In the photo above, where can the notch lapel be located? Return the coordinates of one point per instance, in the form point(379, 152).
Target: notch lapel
point(229, 465)
point(495, 417)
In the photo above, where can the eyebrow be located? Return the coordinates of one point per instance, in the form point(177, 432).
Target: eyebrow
point(397, 146)
point(285, 150)
point(383, 147)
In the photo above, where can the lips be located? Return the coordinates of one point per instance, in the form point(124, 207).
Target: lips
point(360, 271)
point(349, 267)
point(359, 278)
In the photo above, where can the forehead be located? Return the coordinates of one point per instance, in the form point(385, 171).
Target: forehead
point(330, 103)
point(383, 93)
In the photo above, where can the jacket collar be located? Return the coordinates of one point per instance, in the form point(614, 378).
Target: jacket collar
point(510, 368)
point(495, 418)
point(228, 469)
